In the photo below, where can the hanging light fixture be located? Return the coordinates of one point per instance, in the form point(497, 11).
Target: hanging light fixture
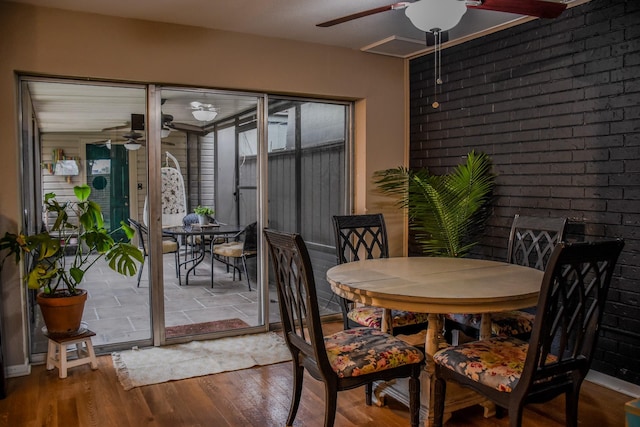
point(436, 16)
point(132, 145)
point(165, 131)
point(203, 112)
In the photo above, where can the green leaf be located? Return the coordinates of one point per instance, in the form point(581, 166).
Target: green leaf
point(77, 274)
point(122, 257)
point(82, 192)
point(446, 212)
point(128, 231)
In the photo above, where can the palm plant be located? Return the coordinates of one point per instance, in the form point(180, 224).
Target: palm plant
point(446, 212)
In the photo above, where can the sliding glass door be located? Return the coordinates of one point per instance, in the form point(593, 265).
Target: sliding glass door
point(153, 155)
point(218, 291)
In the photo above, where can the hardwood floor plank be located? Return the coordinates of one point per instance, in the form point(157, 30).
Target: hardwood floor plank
point(251, 397)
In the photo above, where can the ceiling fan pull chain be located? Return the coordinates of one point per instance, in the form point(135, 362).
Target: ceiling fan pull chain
point(437, 59)
point(439, 80)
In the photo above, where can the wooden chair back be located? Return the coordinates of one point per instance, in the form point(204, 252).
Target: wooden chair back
point(360, 237)
point(532, 240)
point(299, 311)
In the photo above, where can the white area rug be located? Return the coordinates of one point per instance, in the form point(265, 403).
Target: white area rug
point(155, 365)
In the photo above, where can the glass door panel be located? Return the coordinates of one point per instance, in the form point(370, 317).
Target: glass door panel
point(80, 142)
point(210, 295)
point(307, 142)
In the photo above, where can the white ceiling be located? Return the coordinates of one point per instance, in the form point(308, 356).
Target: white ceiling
point(77, 108)
point(287, 19)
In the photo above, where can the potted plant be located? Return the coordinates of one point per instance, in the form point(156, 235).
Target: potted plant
point(203, 212)
point(446, 212)
point(56, 268)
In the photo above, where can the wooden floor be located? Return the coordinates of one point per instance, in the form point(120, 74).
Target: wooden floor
point(251, 397)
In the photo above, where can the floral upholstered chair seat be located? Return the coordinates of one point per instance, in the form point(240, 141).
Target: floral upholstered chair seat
point(361, 351)
point(507, 323)
point(496, 362)
point(372, 317)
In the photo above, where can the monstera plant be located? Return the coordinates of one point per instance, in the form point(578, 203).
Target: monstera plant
point(58, 259)
point(447, 212)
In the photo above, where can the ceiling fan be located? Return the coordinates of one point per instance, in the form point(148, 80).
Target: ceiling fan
point(436, 17)
point(168, 124)
point(537, 8)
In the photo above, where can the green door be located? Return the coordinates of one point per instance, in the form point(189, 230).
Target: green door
point(108, 177)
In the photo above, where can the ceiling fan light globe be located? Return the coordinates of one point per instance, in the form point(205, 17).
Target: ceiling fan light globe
point(427, 15)
point(165, 132)
point(132, 146)
point(204, 115)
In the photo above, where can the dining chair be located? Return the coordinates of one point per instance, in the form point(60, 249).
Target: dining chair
point(169, 245)
point(531, 242)
point(512, 372)
point(365, 237)
point(344, 360)
point(239, 247)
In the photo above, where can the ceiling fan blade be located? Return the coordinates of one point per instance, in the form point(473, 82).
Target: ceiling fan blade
point(399, 5)
point(132, 135)
point(538, 8)
point(186, 127)
point(120, 127)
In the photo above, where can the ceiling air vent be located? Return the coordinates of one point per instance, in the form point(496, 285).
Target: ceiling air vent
point(396, 46)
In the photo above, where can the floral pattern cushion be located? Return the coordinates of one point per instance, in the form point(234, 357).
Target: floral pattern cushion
point(496, 362)
point(372, 317)
point(361, 351)
point(506, 323)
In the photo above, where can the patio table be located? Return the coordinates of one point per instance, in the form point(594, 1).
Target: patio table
point(195, 230)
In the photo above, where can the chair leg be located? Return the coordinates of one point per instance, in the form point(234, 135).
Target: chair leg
point(571, 406)
point(330, 404)
point(515, 414)
point(178, 262)
point(439, 390)
point(140, 270)
point(298, 376)
point(368, 394)
point(414, 396)
point(246, 273)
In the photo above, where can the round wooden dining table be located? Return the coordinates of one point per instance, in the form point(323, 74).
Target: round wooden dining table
point(438, 285)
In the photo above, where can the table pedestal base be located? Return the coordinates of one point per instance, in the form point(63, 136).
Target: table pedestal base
point(457, 397)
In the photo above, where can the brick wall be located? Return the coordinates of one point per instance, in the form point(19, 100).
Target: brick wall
point(556, 104)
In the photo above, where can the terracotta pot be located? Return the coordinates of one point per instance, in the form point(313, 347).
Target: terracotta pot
point(62, 315)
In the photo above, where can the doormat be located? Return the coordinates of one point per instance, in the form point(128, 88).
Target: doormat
point(136, 368)
point(205, 327)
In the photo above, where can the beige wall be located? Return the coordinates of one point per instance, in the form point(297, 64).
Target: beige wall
point(53, 42)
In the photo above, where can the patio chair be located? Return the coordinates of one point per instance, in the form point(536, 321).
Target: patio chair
point(344, 360)
point(238, 248)
point(531, 242)
point(512, 372)
point(169, 245)
point(365, 237)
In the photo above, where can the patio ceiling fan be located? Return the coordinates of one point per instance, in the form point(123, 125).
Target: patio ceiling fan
point(169, 124)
